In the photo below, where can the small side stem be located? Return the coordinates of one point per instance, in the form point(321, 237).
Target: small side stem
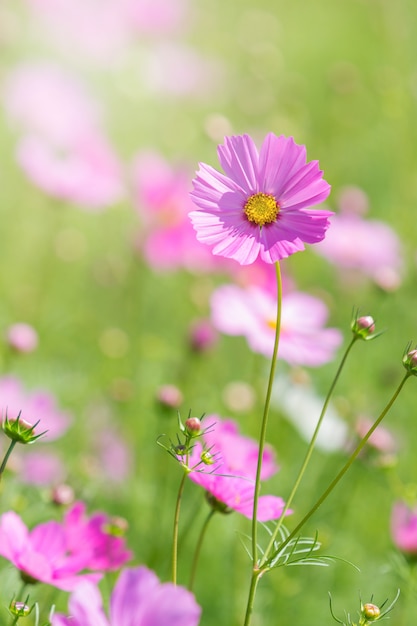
point(347, 465)
point(6, 457)
point(198, 549)
point(308, 453)
point(176, 525)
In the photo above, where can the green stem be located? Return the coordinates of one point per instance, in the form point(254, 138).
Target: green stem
point(176, 524)
point(308, 453)
point(6, 457)
point(265, 419)
point(345, 468)
point(198, 549)
point(256, 574)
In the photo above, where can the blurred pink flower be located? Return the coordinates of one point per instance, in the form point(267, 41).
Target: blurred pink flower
point(97, 31)
point(367, 247)
point(138, 599)
point(172, 69)
point(87, 173)
point(22, 337)
point(89, 538)
point(261, 205)
point(226, 467)
point(404, 527)
point(44, 99)
point(62, 147)
point(162, 201)
point(114, 455)
point(41, 554)
point(35, 406)
point(42, 468)
point(157, 17)
point(251, 312)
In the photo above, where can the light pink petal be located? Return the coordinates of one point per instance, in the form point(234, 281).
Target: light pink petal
point(14, 535)
point(305, 188)
point(280, 157)
point(86, 606)
point(238, 157)
point(130, 595)
point(170, 605)
point(210, 187)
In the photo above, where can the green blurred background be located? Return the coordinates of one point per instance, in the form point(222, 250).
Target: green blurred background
point(341, 77)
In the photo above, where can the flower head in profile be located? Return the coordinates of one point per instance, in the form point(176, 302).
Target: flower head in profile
point(260, 206)
point(223, 462)
point(138, 599)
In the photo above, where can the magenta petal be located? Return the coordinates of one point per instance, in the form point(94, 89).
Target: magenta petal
point(280, 158)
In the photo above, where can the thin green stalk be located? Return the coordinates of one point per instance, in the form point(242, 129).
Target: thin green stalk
point(345, 468)
point(265, 418)
point(198, 549)
point(256, 574)
point(176, 524)
point(308, 453)
point(6, 457)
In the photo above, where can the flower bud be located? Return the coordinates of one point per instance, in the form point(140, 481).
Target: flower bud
point(207, 458)
point(363, 327)
point(202, 336)
point(371, 612)
point(193, 426)
point(62, 495)
point(169, 396)
point(20, 431)
point(22, 337)
point(20, 609)
point(410, 361)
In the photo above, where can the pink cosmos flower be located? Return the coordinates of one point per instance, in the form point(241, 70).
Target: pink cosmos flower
point(86, 173)
point(63, 148)
point(238, 452)
point(89, 538)
point(404, 527)
point(260, 205)
point(162, 200)
point(366, 247)
point(226, 467)
point(41, 554)
point(251, 312)
point(42, 468)
point(138, 599)
point(35, 406)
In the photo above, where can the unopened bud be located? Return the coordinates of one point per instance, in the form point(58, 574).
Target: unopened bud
point(62, 495)
point(370, 611)
point(169, 396)
point(193, 426)
point(410, 361)
point(20, 609)
point(363, 327)
point(19, 430)
point(207, 458)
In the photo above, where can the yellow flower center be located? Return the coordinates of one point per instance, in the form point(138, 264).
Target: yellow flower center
point(261, 209)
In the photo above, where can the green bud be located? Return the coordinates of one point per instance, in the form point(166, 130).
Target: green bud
point(207, 458)
point(20, 430)
point(193, 426)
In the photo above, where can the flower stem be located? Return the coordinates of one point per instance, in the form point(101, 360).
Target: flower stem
point(308, 453)
point(176, 524)
point(344, 469)
point(255, 570)
point(6, 457)
point(265, 419)
point(198, 549)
